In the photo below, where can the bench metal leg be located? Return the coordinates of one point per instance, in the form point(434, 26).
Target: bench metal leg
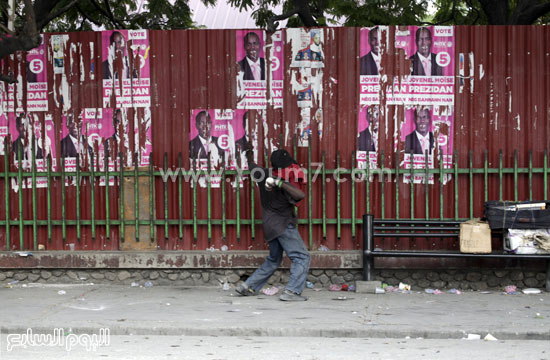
point(368, 244)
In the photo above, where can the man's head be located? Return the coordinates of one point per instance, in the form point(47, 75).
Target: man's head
point(118, 39)
point(281, 159)
point(423, 120)
point(319, 115)
point(316, 38)
point(204, 124)
point(20, 124)
point(424, 41)
point(252, 46)
point(117, 119)
point(373, 40)
point(373, 113)
point(71, 126)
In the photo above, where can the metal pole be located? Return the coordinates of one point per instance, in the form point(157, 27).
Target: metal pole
point(368, 242)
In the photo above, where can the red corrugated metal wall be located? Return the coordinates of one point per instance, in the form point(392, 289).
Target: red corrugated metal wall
point(509, 109)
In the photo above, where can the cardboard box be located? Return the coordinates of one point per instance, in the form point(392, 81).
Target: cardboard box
point(475, 237)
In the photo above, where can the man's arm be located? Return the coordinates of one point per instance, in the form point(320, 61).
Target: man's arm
point(295, 193)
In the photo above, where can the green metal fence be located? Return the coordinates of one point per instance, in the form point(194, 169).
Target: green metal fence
point(317, 200)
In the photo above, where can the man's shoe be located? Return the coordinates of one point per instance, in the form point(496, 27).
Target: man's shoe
point(288, 295)
point(244, 290)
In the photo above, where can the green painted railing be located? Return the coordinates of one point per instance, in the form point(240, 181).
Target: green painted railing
point(318, 195)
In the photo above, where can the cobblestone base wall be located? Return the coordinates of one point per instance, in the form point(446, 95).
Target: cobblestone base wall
point(418, 279)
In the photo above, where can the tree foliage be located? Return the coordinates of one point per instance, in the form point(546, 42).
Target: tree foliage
point(397, 12)
point(34, 17)
point(492, 12)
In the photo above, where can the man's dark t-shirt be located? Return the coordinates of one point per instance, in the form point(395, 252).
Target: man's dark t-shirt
point(277, 205)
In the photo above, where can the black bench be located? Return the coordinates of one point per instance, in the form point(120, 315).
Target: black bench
point(423, 229)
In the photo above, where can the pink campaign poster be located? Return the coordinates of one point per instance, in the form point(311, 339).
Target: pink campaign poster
point(369, 65)
point(425, 130)
point(367, 137)
point(209, 140)
point(277, 65)
point(102, 138)
point(431, 51)
point(21, 128)
point(251, 78)
point(37, 83)
point(125, 68)
point(239, 136)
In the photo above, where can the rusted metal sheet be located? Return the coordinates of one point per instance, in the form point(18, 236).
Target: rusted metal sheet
point(501, 103)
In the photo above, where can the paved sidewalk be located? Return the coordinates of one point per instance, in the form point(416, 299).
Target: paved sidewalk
point(199, 311)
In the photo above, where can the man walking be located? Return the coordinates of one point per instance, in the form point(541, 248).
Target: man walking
point(279, 193)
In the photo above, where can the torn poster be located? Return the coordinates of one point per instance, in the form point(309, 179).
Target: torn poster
point(251, 78)
point(126, 68)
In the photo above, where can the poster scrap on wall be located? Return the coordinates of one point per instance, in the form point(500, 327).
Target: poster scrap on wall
point(367, 140)
point(22, 127)
point(37, 83)
point(125, 68)
point(428, 96)
point(276, 51)
point(219, 137)
point(251, 77)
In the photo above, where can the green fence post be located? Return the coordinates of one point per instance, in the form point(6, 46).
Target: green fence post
point(252, 210)
point(92, 192)
point(34, 215)
point(545, 174)
point(48, 197)
point(471, 178)
point(107, 208)
point(136, 195)
point(194, 184)
point(238, 181)
point(456, 183)
point(152, 198)
point(7, 195)
point(180, 195)
point(486, 174)
point(223, 200)
point(165, 197)
point(382, 186)
point(427, 183)
point(324, 190)
point(63, 215)
point(78, 199)
point(209, 200)
point(530, 175)
point(121, 198)
point(500, 175)
point(515, 175)
point(338, 205)
point(397, 172)
point(20, 195)
point(441, 181)
point(309, 196)
point(411, 182)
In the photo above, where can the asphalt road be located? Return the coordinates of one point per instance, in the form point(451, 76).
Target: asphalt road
point(265, 348)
